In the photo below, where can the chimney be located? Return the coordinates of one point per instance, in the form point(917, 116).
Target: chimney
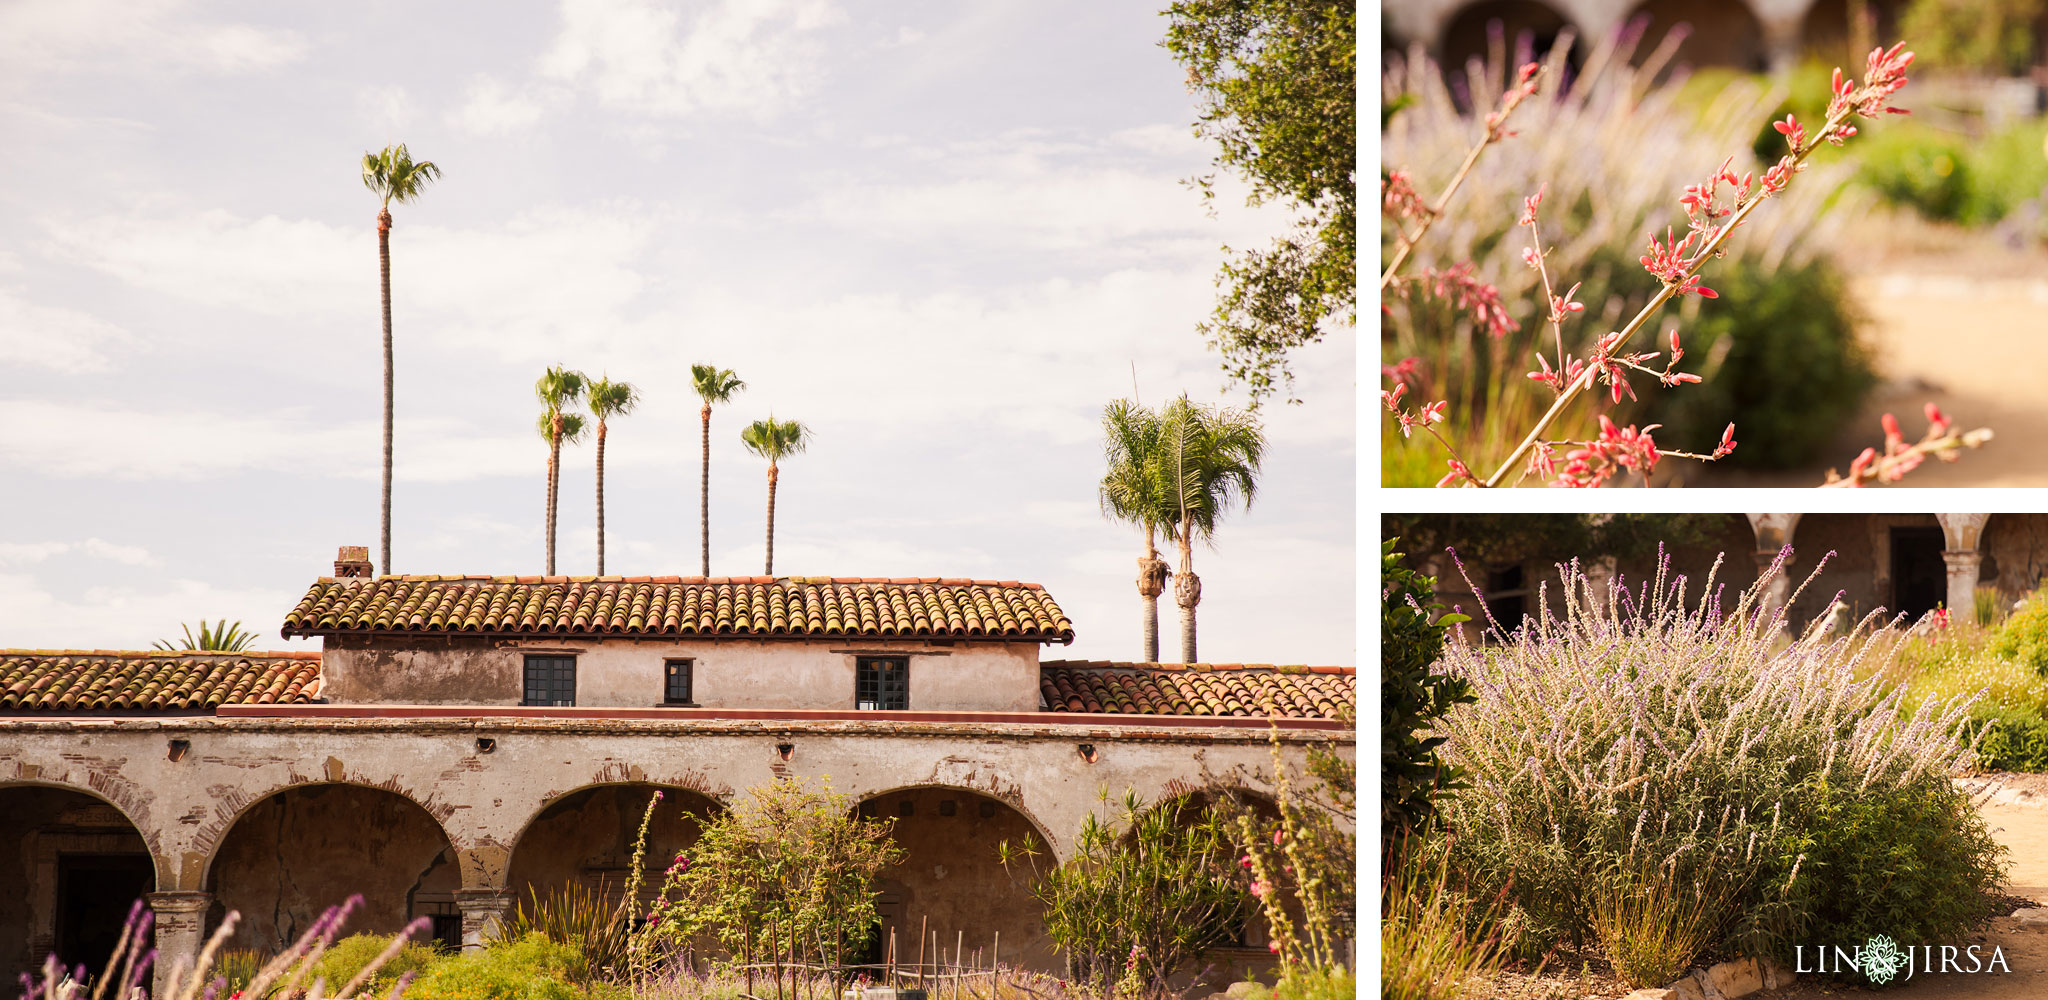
point(351, 562)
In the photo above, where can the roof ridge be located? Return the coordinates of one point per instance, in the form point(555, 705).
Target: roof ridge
point(944, 581)
point(1194, 667)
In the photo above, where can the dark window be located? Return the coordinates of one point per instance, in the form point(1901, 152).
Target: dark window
point(1507, 597)
point(550, 680)
point(677, 691)
point(881, 683)
point(1919, 574)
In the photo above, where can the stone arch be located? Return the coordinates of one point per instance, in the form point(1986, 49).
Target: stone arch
point(951, 882)
point(1827, 35)
point(1518, 30)
point(1726, 33)
point(292, 852)
point(77, 861)
point(587, 836)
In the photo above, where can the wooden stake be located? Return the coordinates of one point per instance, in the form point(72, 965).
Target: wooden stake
point(995, 967)
point(920, 950)
point(959, 940)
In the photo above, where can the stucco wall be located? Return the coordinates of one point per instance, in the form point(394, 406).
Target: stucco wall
point(727, 673)
point(950, 881)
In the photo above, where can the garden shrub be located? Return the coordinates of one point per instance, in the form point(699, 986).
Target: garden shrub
point(349, 955)
point(1953, 178)
point(2010, 739)
point(2024, 638)
point(529, 967)
point(1650, 722)
point(1413, 696)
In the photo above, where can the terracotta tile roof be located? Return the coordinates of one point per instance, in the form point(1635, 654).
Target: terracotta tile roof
point(96, 680)
point(681, 606)
point(1236, 689)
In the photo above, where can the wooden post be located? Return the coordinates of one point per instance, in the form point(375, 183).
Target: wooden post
point(920, 951)
point(892, 957)
point(750, 957)
point(995, 968)
point(959, 940)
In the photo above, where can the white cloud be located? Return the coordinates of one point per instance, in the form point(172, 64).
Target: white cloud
point(134, 37)
point(58, 339)
point(489, 107)
point(132, 616)
point(24, 553)
point(387, 106)
point(741, 57)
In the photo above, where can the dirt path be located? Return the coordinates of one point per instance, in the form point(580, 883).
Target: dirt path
point(1959, 320)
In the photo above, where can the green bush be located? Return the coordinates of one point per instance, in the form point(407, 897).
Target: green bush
point(1951, 178)
point(530, 968)
point(350, 954)
point(2011, 739)
point(1781, 360)
point(2024, 639)
point(1413, 696)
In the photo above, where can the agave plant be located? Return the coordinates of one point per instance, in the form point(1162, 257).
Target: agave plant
point(576, 916)
point(225, 637)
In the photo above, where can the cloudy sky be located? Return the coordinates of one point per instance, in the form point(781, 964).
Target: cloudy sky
point(941, 235)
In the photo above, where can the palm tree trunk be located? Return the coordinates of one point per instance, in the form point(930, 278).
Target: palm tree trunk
point(704, 490)
point(769, 569)
point(600, 498)
point(1187, 592)
point(554, 464)
point(1151, 627)
point(1152, 575)
point(384, 270)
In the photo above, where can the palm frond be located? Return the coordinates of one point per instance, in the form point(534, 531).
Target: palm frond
point(610, 399)
point(221, 638)
point(393, 174)
point(572, 427)
point(774, 439)
point(714, 384)
point(1210, 460)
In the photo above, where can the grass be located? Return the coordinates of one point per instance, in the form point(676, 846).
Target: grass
point(1431, 946)
point(1651, 926)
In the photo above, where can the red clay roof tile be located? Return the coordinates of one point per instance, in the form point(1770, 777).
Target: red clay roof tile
point(1219, 689)
point(101, 680)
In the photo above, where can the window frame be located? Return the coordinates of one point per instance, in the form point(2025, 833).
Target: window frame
point(668, 680)
point(868, 677)
point(529, 664)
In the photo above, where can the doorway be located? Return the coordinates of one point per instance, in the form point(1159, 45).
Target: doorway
point(94, 892)
point(1919, 575)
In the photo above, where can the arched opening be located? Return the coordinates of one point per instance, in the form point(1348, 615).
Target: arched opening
point(295, 853)
point(75, 866)
point(1503, 33)
point(951, 883)
point(1246, 952)
point(1842, 32)
point(587, 838)
point(1717, 34)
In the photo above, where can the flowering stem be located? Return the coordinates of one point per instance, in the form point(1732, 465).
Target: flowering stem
point(1496, 125)
point(1664, 294)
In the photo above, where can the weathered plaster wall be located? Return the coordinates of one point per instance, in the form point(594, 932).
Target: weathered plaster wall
point(950, 881)
point(594, 831)
point(292, 855)
point(727, 673)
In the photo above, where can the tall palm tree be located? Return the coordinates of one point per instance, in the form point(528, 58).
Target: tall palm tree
point(393, 176)
point(558, 390)
point(713, 385)
point(607, 399)
point(774, 441)
point(1210, 458)
point(1136, 490)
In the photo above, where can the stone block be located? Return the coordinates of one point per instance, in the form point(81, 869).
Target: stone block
point(1777, 975)
point(1649, 994)
point(1733, 979)
point(1687, 988)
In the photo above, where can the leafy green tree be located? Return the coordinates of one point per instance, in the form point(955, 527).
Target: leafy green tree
point(1135, 491)
point(714, 385)
point(1506, 538)
point(1991, 36)
point(558, 389)
point(1146, 892)
point(774, 440)
point(221, 638)
point(1412, 697)
point(607, 399)
point(392, 175)
point(1209, 458)
point(1277, 82)
point(790, 862)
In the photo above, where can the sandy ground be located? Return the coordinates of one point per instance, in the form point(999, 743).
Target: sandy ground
point(1960, 320)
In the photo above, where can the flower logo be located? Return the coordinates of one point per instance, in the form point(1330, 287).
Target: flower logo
point(1881, 959)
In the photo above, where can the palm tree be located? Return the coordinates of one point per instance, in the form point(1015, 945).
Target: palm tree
point(607, 399)
point(713, 385)
point(393, 176)
point(221, 638)
point(1136, 490)
point(773, 441)
point(558, 390)
point(1210, 458)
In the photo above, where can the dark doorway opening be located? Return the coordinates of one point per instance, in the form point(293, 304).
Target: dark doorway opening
point(94, 892)
point(1919, 576)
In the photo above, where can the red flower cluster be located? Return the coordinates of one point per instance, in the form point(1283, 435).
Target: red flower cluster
point(1458, 285)
point(1593, 462)
point(1399, 198)
point(1429, 414)
point(1523, 88)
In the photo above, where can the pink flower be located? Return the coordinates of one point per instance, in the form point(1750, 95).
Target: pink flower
point(1529, 206)
point(1862, 464)
point(1260, 888)
point(1937, 422)
point(1457, 474)
point(1727, 444)
point(1273, 946)
point(1245, 861)
point(1278, 835)
point(1793, 132)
